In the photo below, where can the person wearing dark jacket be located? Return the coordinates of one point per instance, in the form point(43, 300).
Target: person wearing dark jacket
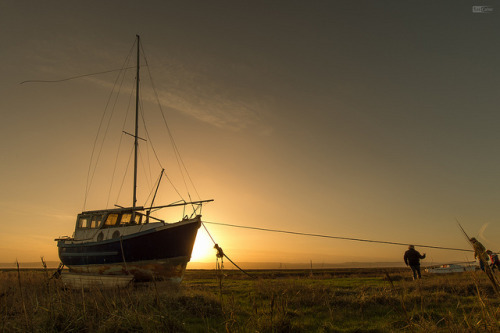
point(412, 258)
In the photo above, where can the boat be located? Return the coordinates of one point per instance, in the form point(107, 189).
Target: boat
point(130, 243)
point(450, 268)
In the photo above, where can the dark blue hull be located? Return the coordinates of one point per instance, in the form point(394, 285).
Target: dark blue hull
point(159, 253)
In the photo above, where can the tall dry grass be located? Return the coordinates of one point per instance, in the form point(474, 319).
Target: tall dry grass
point(157, 307)
point(275, 302)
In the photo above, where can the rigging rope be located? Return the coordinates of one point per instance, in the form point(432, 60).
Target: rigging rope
point(125, 174)
point(148, 159)
point(76, 77)
point(177, 154)
point(100, 142)
point(120, 142)
point(335, 237)
point(156, 155)
point(156, 185)
point(90, 174)
point(146, 176)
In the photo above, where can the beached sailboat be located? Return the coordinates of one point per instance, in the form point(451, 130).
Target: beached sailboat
point(130, 241)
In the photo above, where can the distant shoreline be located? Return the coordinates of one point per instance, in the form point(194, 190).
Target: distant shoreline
point(245, 265)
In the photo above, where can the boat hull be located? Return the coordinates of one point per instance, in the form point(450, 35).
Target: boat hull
point(158, 253)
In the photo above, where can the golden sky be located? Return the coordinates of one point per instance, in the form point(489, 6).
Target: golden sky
point(374, 120)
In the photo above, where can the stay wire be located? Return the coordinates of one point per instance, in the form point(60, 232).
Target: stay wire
point(147, 145)
point(174, 145)
point(120, 143)
point(157, 158)
point(225, 255)
point(156, 185)
point(168, 130)
point(145, 173)
point(76, 77)
point(89, 177)
point(125, 174)
point(336, 237)
point(104, 136)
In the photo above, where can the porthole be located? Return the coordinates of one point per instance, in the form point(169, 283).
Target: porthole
point(100, 237)
point(116, 234)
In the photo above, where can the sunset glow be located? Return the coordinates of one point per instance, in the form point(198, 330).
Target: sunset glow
point(370, 120)
point(203, 249)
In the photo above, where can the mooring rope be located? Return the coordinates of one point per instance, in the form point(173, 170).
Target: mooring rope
point(335, 237)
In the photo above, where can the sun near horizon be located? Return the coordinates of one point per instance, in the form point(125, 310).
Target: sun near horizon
point(203, 247)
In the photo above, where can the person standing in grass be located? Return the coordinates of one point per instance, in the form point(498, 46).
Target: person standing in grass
point(412, 258)
point(480, 253)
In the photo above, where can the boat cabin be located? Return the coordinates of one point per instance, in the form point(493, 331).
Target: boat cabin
point(107, 220)
point(89, 223)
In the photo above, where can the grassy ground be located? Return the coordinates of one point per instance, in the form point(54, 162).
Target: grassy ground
point(357, 300)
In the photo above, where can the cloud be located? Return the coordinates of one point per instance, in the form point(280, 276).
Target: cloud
point(48, 213)
point(217, 110)
point(208, 103)
point(224, 96)
point(210, 96)
point(482, 230)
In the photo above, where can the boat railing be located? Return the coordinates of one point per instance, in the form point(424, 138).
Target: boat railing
point(63, 238)
point(120, 209)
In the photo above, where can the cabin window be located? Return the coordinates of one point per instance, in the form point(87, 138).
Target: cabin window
point(96, 221)
point(137, 218)
point(83, 222)
point(111, 220)
point(126, 218)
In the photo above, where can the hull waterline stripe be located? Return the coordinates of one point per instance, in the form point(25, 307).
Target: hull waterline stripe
point(89, 254)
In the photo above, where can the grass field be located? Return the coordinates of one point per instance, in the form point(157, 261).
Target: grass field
point(337, 300)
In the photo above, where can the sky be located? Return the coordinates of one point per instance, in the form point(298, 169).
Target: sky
point(365, 119)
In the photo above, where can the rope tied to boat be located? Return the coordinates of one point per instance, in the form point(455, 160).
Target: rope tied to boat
point(334, 237)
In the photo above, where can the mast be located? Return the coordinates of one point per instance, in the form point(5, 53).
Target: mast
point(136, 143)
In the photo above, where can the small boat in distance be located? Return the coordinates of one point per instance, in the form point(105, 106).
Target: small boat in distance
point(450, 268)
point(130, 241)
